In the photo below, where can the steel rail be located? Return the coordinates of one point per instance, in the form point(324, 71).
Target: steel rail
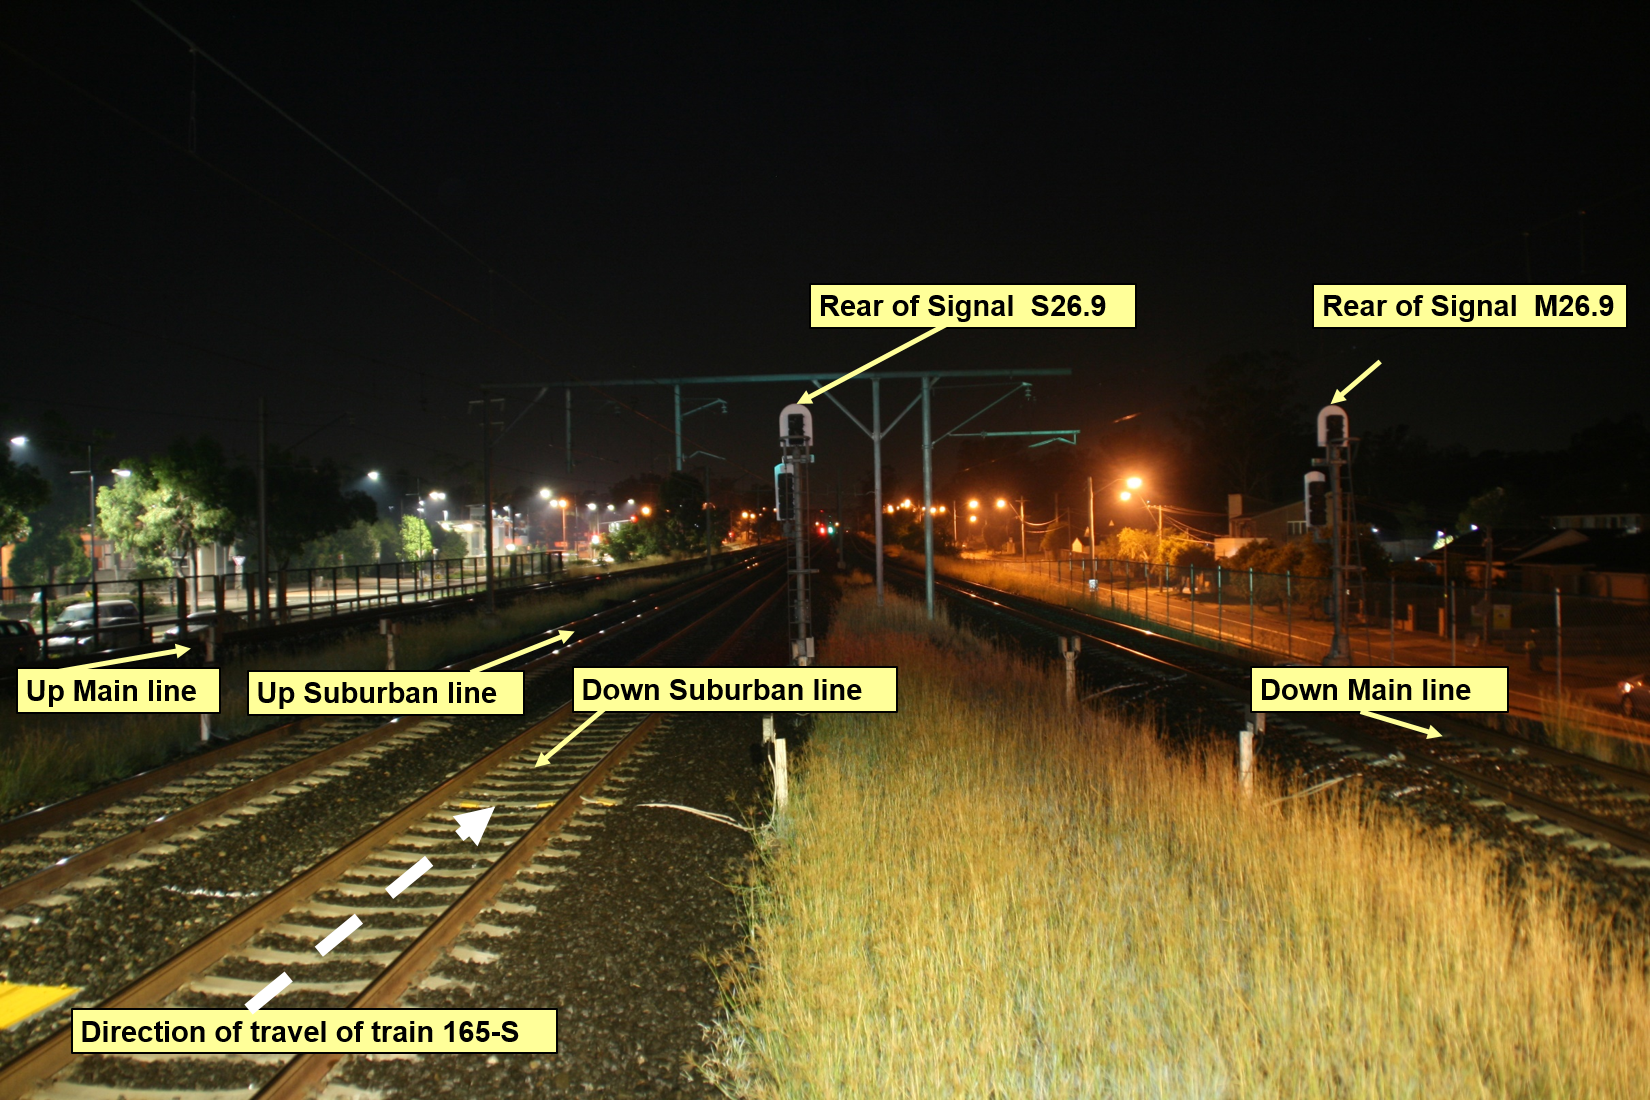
point(305, 1074)
point(48, 879)
point(1618, 833)
point(44, 817)
point(1447, 723)
point(53, 1054)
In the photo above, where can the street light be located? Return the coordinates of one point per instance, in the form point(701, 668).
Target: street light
point(372, 475)
point(19, 440)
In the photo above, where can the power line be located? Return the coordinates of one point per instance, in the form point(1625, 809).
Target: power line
point(277, 204)
point(196, 51)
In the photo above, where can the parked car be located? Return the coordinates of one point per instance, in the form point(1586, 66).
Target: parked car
point(116, 627)
point(18, 645)
point(198, 622)
point(1635, 696)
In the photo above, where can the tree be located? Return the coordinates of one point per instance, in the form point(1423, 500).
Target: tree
point(416, 543)
point(306, 501)
point(1247, 428)
point(22, 490)
point(48, 557)
point(167, 507)
point(357, 544)
point(453, 546)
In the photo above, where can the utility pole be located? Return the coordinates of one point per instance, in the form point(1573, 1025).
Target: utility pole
point(678, 390)
point(1023, 558)
point(928, 490)
point(569, 438)
point(485, 407)
point(1489, 576)
point(706, 469)
point(876, 473)
point(1094, 536)
point(262, 591)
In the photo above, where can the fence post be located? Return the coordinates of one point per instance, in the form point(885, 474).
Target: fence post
point(280, 597)
point(1193, 586)
point(1251, 607)
point(1289, 610)
point(1392, 618)
point(1558, 638)
point(1220, 606)
point(1069, 649)
point(1246, 758)
point(183, 606)
point(389, 629)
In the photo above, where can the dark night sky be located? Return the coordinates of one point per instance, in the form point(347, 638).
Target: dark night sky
point(665, 183)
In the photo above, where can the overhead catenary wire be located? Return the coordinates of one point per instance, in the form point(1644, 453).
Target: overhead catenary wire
point(195, 51)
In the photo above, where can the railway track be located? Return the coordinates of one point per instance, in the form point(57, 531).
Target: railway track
point(401, 937)
point(76, 837)
point(1601, 803)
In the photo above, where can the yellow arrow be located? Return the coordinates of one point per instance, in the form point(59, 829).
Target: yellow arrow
point(1340, 395)
point(807, 398)
point(177, 651)
point(544, 757)
point(558, 636)
point(1430, 731)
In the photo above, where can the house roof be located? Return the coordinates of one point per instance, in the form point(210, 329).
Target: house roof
point(1604, 551)
point(1509, 543)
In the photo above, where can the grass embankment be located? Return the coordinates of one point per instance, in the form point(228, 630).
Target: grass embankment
point(985, 895)
point(46, 757)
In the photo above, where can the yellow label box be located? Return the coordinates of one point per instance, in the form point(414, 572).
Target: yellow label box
point(118, 690)
point(744, 689)
point(384, 692)
point(971, 305)
point(293, 1031)
point(1378, 689)
point(1490, 305)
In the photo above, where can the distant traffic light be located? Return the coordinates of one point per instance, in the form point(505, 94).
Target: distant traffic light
point(1317, 500)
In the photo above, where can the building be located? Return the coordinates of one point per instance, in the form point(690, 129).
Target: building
point(1625, 520)
point(1609, 564)
point(1250, 519)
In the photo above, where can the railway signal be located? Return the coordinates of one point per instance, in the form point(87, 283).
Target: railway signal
point(1334, 436)
point(796, 431)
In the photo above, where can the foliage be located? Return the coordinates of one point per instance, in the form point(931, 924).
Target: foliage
point(357, 544)
point(1496, 508)
point(1128, 923)
point(1304, 557)
point(677, 525)
point(306, 501)
point(416, 543)
point(170, 505)
point(1247, 426)
point(22, 490)
point(48, 557)
point(1139, 544)
point(453, 545)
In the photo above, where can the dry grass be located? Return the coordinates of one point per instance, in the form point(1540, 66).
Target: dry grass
point(1575, 726)
point(47, 757)
point(985, 895)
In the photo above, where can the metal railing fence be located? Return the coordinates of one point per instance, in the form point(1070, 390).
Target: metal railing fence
point(276, 598)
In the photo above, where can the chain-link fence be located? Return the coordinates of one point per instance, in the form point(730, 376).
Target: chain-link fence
point(1578, 648)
